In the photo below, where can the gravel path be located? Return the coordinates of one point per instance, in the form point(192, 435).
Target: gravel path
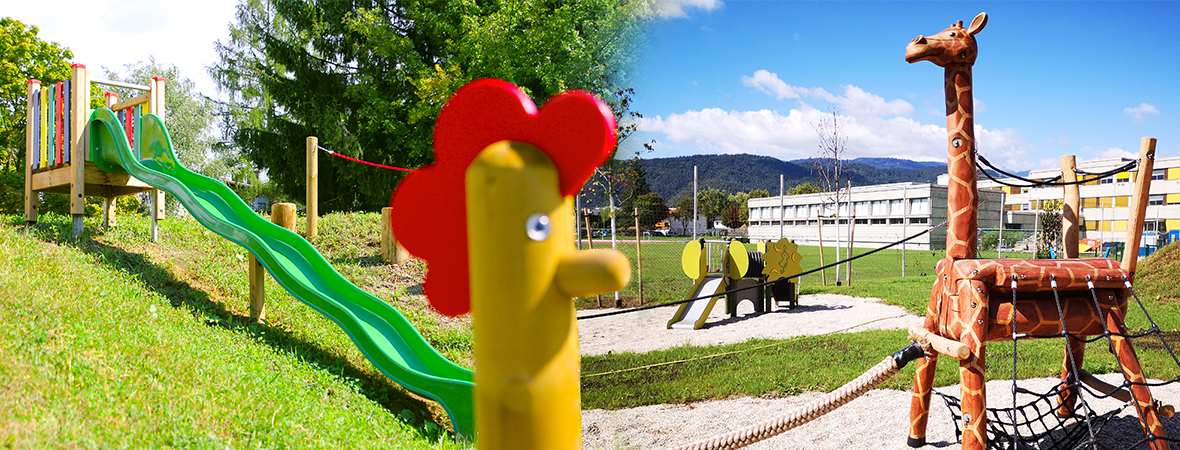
point(879, 419)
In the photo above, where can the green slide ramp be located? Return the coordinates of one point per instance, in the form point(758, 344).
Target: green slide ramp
point(382, 333)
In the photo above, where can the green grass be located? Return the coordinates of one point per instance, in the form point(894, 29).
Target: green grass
point(113, 342)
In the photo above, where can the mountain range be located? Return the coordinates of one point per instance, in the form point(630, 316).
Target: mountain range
point(672, 177)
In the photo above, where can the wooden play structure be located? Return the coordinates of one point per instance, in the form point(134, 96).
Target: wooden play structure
point(58, 150)
point(743, 276)
point(975, 301)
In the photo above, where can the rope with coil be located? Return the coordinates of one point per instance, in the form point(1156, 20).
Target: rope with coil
point(811, 411)
point(341, 155)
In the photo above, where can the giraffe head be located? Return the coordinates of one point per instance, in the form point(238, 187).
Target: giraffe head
point(954, 45)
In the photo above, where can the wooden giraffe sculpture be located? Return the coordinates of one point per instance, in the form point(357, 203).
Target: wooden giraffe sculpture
point(972, 299)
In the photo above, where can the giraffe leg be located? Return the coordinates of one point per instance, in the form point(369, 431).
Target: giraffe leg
point(973, 304)
point(1148, 418)
point(1068, 397)
point(924, 376)
point(920, 402)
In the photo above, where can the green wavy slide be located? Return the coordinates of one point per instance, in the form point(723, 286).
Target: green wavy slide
point(382, 333)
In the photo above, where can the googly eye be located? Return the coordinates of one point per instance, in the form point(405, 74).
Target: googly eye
point(956, 142)
point(953, 34)
point(537, 227)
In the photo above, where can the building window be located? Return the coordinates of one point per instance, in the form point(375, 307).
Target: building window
point(1121, 202)
point(1155, 199)
point(896, 221)
point(877, 221)
point(863, 209)
point(896, 207)
point(1107, 180)
point(880, 208)
point(829, 222)
point(917, 220)
point(1159, 174)
point(1011, 226)
point(862, 221)
point(1025, 207)
point(1091, 202)
point(920, 206)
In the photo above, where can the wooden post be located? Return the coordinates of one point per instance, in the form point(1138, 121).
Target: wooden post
point(851, 239)
point(108, 203)
point(156, 106)
point(638, 256)
point(79, 143)
point(391, 251)
point(1070, 212)
point(1138, 205)
point(30, 148)
point(283, 215)
point(590, 241)
point(313, 190)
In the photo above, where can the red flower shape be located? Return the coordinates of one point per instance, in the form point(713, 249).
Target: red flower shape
point(429, 215)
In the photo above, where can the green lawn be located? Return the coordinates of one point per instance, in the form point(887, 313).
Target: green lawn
point(116, 342)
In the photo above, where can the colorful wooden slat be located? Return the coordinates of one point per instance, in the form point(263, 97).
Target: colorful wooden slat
point(43, 118)
point(67, 146)
point(59, 91)
point(138, 122)
point(51, 135)
point(36, 162)
point(129, 117)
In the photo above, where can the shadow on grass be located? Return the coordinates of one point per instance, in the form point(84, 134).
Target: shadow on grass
point(801, 309)
point(182, 295)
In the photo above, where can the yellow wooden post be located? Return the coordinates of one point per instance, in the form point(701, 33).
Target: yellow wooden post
point(524, 271)
point(156, 106)
point(80, 143)
point(30, 149)
point(108, 203)
point(1138, 205)
point(313, 186)
point(391, 251)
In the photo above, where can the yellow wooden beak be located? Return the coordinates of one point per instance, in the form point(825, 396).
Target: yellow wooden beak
point(592, 272)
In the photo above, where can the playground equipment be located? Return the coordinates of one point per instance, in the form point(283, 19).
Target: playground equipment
point(743, 276)
point(383, 335)
point(59, 154)
point(501, 193)
point(969, 301)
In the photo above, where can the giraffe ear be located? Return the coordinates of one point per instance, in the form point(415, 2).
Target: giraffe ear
point(977, 24)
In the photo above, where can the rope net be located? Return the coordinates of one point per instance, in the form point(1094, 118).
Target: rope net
point(1034, 421)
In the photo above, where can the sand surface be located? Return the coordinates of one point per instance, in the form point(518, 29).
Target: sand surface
point(877, 420)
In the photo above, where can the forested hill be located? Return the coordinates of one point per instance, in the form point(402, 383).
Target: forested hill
point(672, 177)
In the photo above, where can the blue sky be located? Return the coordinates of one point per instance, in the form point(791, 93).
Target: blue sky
point(1052, 78)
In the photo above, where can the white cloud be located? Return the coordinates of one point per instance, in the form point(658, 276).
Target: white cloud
point(1110, 152)
point(1143, 109)
point(791, 136)
point(675, 8)
point(855, 101)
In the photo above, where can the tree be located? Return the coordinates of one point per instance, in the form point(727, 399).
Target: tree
point(1049, 234)
point(741, 201)
point(712, 203)
point(805, 188)
point(684, 208)
point(23, 56)
point(652, 209)
point(731, 218)
point(369, 77)
point(759, 193)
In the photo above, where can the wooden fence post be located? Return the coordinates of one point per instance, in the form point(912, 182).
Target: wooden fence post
point(313, 186)
point(391, 251)
point(283, 215)
point(638, 256)
point(108, 203)
point(156, 106)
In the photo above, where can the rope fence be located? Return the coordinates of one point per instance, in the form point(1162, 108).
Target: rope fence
point(341, 155)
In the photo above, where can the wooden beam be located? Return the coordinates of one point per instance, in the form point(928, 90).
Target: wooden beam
point(1138, 205)
point(129, 102)
point(1070, 214)
point(948, 347)
point(80, 143)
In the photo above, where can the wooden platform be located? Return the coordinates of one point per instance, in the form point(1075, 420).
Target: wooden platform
point(56, 179)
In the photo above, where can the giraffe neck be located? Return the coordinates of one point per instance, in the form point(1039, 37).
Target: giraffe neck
point(961, 191)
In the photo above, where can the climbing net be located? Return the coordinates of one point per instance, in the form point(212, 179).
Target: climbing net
point(1037, 424)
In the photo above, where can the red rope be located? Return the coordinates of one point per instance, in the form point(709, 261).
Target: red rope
point(383, 166)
